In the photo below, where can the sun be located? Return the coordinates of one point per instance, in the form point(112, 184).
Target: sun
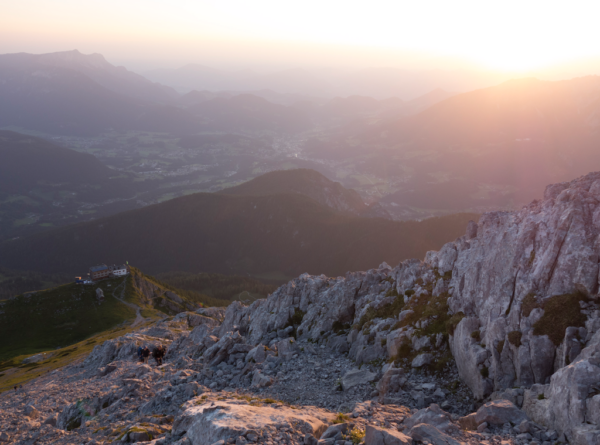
point(513, 60)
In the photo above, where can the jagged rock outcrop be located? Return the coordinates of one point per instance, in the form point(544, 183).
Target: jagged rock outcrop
point(506, 271)
point(500, 292)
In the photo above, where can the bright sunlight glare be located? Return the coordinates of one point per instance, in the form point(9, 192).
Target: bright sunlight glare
point(508, 35)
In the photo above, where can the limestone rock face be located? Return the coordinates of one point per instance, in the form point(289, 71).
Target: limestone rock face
point(548, 248)
point(570, 402)
point(499, 275)
point(499, 282)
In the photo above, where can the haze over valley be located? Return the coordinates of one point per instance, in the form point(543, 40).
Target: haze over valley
point(157, 144)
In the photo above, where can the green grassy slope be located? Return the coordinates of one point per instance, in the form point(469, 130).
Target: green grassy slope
point(58, 317)
point(14, 372)
point(287, 233)
point(70, 313)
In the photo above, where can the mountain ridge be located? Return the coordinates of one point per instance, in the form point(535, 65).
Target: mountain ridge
point(304, 182)
point(115, 78)
point(231, 234)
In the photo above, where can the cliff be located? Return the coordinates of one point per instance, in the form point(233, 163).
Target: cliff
point(514, 298)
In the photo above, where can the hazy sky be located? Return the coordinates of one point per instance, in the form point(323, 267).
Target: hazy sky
point(499, 35)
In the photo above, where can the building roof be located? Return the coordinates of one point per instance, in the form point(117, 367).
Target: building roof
point(98, 268)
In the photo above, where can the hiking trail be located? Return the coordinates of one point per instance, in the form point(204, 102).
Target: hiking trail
point(138, 316)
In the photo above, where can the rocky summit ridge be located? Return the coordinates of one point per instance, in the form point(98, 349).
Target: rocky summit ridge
point(493, 339)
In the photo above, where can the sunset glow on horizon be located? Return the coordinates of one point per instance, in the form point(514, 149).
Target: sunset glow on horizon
point(504, 36)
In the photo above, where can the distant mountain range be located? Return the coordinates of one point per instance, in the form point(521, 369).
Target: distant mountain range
point(69, 93)
point(94, 66)
point(492, 148)
point(379, 83)
point(246, 231)
point(440, 153)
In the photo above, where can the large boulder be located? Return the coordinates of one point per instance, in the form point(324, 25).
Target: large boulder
point(335, 431)
point(383, 436)
point(499, 412)
point(433, 415)
point(428, 433)
point(221, 350)
point(260, 380)
point(470, 357)
point(217, 313)
point(287, 348)
point(356, 377)
point(208, 423)
point(422, 360)
point(200, 332)
point(256, 355)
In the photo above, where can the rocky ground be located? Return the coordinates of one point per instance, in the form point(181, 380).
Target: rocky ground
point(288, 392)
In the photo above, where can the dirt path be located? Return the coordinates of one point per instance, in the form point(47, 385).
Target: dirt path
point(138, 316)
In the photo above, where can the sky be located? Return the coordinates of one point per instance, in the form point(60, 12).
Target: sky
point(510, 36)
